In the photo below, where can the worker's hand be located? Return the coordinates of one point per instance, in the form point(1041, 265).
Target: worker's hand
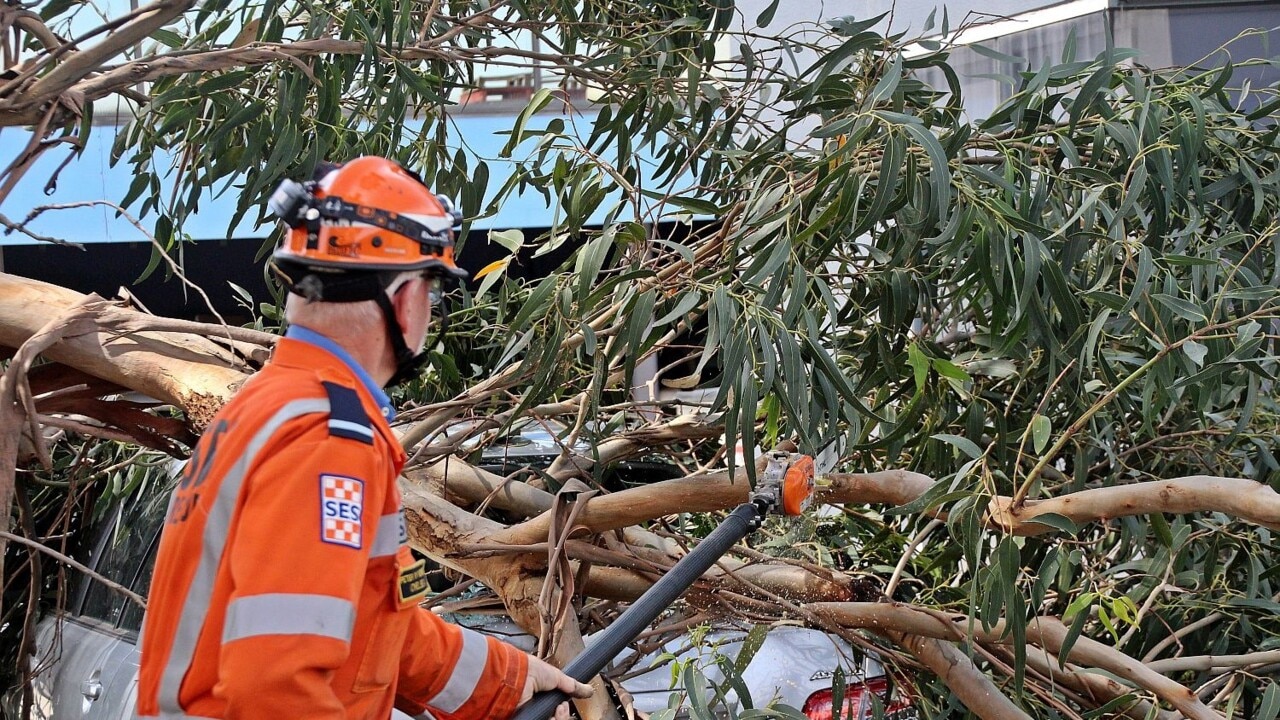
point(543, 676)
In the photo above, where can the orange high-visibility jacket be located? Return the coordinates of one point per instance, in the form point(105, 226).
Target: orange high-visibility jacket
point(283, 586)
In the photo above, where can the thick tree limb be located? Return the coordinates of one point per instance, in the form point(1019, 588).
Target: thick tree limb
point(961, 676)
point(443, 531)
point(524, 610)
point(181, 369)
point(31, 23)
point(71, 71)
point(890, 487)
point(1098, 688)
point(790, 581)
point(705, 493)
point(1244, 499)
point(17, 410)
point(466, 484)
point(1048, 633)
point(1202, 663)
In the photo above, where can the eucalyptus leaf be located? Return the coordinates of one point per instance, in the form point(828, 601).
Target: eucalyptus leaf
point(1183, 308)
point(964, 445)
point(1195, 351)
point(1041, 429)
point(512, 239)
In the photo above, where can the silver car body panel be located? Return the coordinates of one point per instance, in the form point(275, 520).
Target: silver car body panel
point(92, 671)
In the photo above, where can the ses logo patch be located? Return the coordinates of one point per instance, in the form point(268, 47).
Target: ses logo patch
point(341, 503)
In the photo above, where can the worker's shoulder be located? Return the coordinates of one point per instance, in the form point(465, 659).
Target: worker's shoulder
point(309, 399)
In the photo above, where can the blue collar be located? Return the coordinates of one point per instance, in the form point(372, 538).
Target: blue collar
point(297, 332)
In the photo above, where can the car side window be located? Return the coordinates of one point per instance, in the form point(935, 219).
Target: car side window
point(126, 556)
point(131, 617)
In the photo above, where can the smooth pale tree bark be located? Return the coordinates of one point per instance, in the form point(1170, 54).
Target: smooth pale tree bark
point(1238, 497)
point(1098, 688)
point(189, 371)
point(955, 668)
point(1045, 632)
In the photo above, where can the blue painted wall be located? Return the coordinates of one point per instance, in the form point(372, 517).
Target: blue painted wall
point(91, 177)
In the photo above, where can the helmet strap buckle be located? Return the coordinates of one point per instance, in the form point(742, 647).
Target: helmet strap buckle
point(407, 362)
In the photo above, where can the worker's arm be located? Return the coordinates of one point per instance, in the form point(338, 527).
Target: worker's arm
point(458, 674)
point(482, 677)
point(298, 556)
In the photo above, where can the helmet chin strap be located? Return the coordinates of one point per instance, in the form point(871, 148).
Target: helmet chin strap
point(407, 362)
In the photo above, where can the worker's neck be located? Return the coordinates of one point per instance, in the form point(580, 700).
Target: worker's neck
point(371, 353)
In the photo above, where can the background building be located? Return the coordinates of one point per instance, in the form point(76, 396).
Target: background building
point(1164, 32)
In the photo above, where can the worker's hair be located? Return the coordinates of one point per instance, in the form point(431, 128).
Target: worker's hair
point(340, 319)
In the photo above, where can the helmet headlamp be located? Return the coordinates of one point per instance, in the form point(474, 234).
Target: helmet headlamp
point(290, 202)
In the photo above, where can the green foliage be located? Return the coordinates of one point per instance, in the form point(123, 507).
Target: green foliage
point(1077, 291)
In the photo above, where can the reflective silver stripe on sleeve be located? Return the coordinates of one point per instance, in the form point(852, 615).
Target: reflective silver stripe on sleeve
point(289, 614)
point(349, 426)
point(387, 541)
point(196, 605)
point(466, 674)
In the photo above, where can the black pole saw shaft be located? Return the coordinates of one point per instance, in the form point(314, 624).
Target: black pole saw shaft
point(613, 639)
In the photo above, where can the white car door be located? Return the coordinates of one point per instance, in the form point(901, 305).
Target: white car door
point(69, 666)
point(120, 687)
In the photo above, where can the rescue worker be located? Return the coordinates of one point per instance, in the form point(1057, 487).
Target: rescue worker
point(283, 585)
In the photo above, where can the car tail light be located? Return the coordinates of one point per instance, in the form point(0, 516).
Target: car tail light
point(857, 703)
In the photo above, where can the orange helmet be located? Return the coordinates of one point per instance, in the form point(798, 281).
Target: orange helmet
point(368, 216)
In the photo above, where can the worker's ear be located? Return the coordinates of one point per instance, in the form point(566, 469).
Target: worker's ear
point(410, 296)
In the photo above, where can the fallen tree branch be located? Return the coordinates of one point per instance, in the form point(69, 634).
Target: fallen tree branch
point(1050, 634)
point(1247, 500)
point(465, 484)
point(16, 408)
point(961, 676)
point(1213, 663)
point(1098, 688)
point(176, 368)
point(1046, 632)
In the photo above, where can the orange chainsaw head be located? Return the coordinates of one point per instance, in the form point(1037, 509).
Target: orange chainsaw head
point(797, 485)
point(369, 214)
